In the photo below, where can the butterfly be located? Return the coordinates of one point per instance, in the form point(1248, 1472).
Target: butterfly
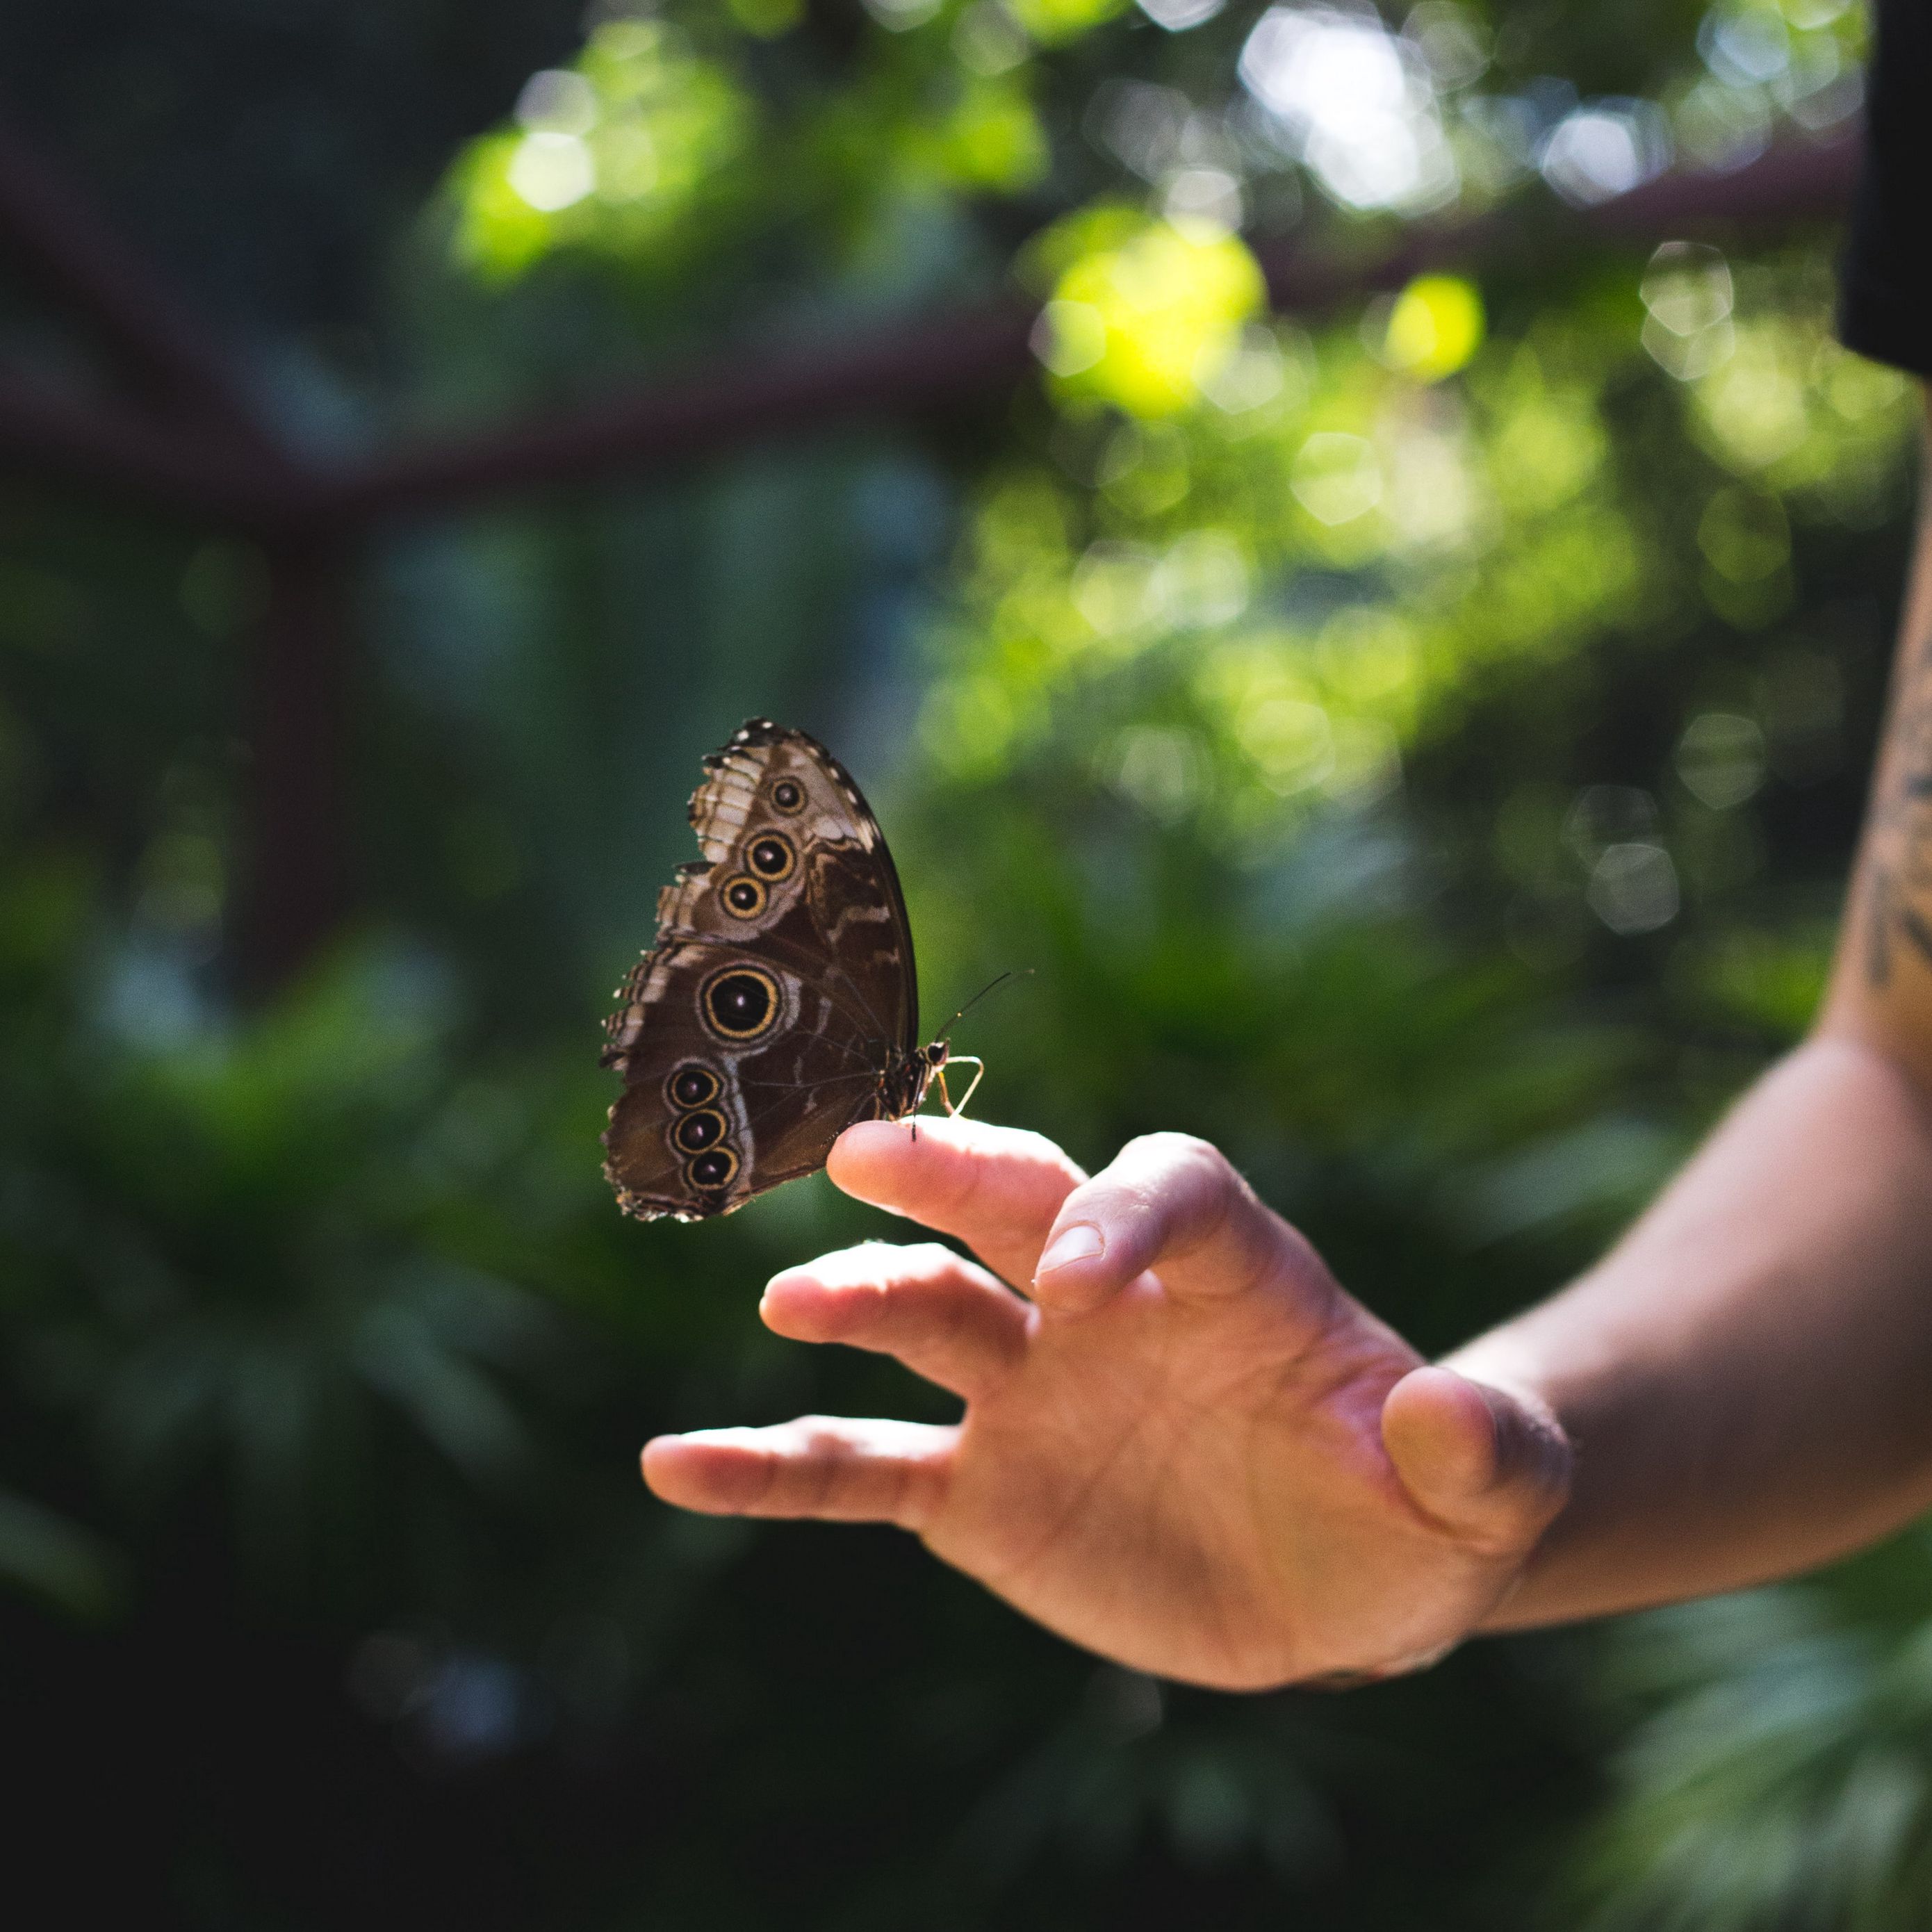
point(780, 1003)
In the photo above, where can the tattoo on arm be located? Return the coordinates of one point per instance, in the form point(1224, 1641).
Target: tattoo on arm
point(1898, 882)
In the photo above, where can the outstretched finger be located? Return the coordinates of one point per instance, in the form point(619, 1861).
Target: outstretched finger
point(940, 1315)
point(835, 1468)
point(1175, 1204)
point(998, 1188)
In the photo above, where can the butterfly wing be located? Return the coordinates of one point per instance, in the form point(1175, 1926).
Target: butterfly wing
point(779, 1004)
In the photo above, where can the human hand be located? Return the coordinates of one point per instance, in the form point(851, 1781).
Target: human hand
point(1188, 1450)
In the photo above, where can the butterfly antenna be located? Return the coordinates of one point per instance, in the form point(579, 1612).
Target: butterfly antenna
point(978, 996)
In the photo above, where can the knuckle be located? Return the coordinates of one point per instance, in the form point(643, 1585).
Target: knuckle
point(961, 1187)
point(1186, 1178)
point(919, 1492)
point(1027, 1145)
point(1211, 1168)
point(765, 1465)
point(948, 1325)
point(1110, 1202)
point(1107, 1186)
point(1035, 1165)
point(1166, 1162)
point(1158, 1149)
point(820, 1481)
point(988, 1179)
point(843, 1267)
point(1178, 1148)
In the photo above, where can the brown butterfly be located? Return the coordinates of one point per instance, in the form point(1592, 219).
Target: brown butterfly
point(780, 1003)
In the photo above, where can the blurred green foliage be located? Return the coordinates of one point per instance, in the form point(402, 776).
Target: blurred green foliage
point(1416, 744)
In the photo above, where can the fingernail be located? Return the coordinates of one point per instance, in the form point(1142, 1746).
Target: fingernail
point(1077, 1243)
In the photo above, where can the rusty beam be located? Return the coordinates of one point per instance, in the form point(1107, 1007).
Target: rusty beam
point(47, 437)
point(750, 395)
point(1798, 181)
point(753, 396)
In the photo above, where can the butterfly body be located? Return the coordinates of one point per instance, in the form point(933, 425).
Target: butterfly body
point(780, 1003)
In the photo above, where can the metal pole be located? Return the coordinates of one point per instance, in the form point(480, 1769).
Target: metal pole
point(295, 885)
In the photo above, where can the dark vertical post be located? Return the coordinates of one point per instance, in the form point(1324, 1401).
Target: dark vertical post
point(296, 881)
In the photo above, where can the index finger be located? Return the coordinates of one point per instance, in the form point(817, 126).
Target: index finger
point(997, 1188)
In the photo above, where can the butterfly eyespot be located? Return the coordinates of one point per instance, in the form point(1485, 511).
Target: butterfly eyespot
point(691, 1086)
point(694, 1132)
point(715, 1168)
point(812, 1044)
point(772, 856)
point(740, 1003)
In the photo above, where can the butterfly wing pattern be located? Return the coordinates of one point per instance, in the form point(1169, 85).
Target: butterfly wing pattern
point(780, 1003)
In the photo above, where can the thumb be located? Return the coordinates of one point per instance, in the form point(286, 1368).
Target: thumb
point(1491, 1468)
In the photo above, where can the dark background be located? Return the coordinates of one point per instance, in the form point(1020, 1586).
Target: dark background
point(335, 788)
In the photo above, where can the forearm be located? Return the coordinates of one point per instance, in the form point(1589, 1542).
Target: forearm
point(1748, 1377)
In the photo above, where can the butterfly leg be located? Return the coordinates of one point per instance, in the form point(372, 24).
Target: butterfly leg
point(979, 1067)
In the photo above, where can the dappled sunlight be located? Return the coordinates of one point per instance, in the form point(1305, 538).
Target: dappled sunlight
point(1687, 299)
point(1336, 478)
point(1355, 103)
point(1753, 407)
point(1434, 326)
point(609, 153)
point(1146, 316)
point(1605, 148)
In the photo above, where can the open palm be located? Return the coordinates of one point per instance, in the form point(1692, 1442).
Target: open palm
point(1186, 1447)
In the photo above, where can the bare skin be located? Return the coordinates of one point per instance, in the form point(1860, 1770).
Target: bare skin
point(1171, 1467)
point(1186, 1447)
